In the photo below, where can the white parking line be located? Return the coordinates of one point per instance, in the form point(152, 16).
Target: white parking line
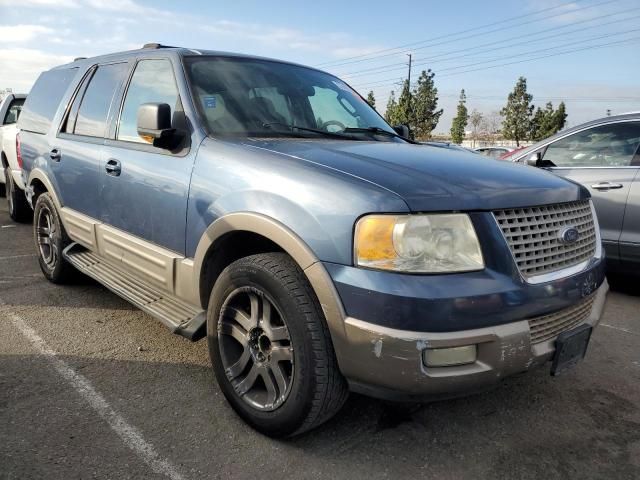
point(129, 434)
point(626, 330)
point(19, 256)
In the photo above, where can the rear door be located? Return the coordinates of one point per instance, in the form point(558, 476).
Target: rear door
point(78, 149)
point(602, 158)
point(147, 193)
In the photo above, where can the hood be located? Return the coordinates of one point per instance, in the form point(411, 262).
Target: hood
point(432, 178)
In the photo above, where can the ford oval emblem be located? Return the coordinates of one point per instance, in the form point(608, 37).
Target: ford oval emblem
point(568, 235)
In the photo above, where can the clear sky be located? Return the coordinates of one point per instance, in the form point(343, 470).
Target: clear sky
point(482, 47)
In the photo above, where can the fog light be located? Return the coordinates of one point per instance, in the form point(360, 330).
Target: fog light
point(447, 357)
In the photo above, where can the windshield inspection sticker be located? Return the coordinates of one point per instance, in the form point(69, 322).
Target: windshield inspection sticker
point(209, 102)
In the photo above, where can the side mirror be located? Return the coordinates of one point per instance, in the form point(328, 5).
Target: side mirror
point(535, 159)
point(402, 130)
point(154, 120)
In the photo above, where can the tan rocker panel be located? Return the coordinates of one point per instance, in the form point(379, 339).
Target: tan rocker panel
point(158, 265)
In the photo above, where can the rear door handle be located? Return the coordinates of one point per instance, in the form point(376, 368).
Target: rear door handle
point(55, 155)
point(113, 167)
point(606, 186)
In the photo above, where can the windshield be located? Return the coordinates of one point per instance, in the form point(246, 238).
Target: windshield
point(249, 97)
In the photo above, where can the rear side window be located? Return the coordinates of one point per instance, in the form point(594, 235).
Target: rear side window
point(14, 112)
point(152, 82)
point(44, 99)
point(93, 113)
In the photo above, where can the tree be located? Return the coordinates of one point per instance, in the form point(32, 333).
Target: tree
point(517, 113)
point(425, 103)
point(405, 113)
point(548, 121)
point(460, 121)
point(371, 100)
point(390, 114)
point(475, 119)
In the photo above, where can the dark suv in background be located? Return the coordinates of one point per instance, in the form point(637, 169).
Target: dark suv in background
point(266, 206)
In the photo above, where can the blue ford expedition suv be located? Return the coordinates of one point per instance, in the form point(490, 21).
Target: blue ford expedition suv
point(265, 206)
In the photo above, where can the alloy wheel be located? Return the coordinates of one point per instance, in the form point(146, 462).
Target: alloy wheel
point(255, 348)
point(47, 237)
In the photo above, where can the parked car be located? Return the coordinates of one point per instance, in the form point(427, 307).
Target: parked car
point(512, 153)
point(11, 176)
point(452, 146)
point(266, 206)
point(493, 152)
point(604, 156)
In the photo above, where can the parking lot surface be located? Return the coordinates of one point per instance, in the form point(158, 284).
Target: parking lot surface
point(90, 387)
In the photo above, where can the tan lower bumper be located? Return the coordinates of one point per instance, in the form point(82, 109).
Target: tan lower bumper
point(388, 363)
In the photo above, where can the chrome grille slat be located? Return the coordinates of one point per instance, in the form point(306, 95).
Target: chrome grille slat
point(550, 326)
point(532, 236)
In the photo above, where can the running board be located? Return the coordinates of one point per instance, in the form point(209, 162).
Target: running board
point(180, 317)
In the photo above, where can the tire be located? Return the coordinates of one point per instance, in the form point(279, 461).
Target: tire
point(19, 209)
point(306, 387)
point(50, 240)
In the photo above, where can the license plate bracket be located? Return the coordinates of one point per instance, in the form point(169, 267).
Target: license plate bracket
point(571, 347)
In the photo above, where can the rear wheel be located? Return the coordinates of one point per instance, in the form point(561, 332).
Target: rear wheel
point(51, 239)
point(18, 206)
point(270, 346)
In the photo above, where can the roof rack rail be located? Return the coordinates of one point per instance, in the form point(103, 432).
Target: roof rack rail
point(79, 58)
point(156, 45)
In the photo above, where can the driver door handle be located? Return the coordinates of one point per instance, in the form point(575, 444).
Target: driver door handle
point(606, 186)
point(113, 167)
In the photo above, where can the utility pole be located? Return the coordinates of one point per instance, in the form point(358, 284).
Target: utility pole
point(409, 81)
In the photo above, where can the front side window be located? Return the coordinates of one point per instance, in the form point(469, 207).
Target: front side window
point(14, 111)
point(152, 82)
point(613, 145)
point(94, 108)
point(251, 97)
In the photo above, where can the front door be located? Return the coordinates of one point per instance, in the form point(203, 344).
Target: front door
point(144, 189)
point(602, 159)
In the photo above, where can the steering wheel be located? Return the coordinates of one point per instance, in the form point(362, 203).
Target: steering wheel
point(334, 123)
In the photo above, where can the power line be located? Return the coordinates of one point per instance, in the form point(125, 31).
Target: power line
point(471, 51)
point(375, 55)
point(532, 52)
point(590, 47)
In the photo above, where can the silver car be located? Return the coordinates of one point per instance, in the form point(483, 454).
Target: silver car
point(604, 156)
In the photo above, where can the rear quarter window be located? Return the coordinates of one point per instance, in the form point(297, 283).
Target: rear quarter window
point(43, 100)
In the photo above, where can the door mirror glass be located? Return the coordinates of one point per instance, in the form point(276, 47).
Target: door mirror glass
point(154, 121)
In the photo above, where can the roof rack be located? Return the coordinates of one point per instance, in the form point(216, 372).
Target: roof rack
point(79, 58)
point(156, 45)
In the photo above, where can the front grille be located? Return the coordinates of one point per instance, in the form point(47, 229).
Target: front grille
point(533, 236)
point(550, 326)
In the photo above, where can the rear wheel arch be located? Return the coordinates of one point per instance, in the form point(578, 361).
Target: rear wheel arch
point(4, 160)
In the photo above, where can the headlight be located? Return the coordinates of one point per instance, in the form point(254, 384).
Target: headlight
point(418, 243)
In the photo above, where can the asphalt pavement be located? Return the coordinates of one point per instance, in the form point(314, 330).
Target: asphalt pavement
point(91, 387)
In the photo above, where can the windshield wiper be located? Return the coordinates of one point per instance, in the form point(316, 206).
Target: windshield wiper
point(307, 129)
point(377, 131)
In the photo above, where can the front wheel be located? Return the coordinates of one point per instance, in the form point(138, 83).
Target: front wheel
point(270, 346)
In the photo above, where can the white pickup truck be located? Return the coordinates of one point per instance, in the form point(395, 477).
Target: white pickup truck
point(11, 182)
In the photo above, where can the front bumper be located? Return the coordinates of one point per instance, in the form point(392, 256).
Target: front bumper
point(387, 363)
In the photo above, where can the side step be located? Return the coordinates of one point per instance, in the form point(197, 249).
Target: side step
point(181, 318)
